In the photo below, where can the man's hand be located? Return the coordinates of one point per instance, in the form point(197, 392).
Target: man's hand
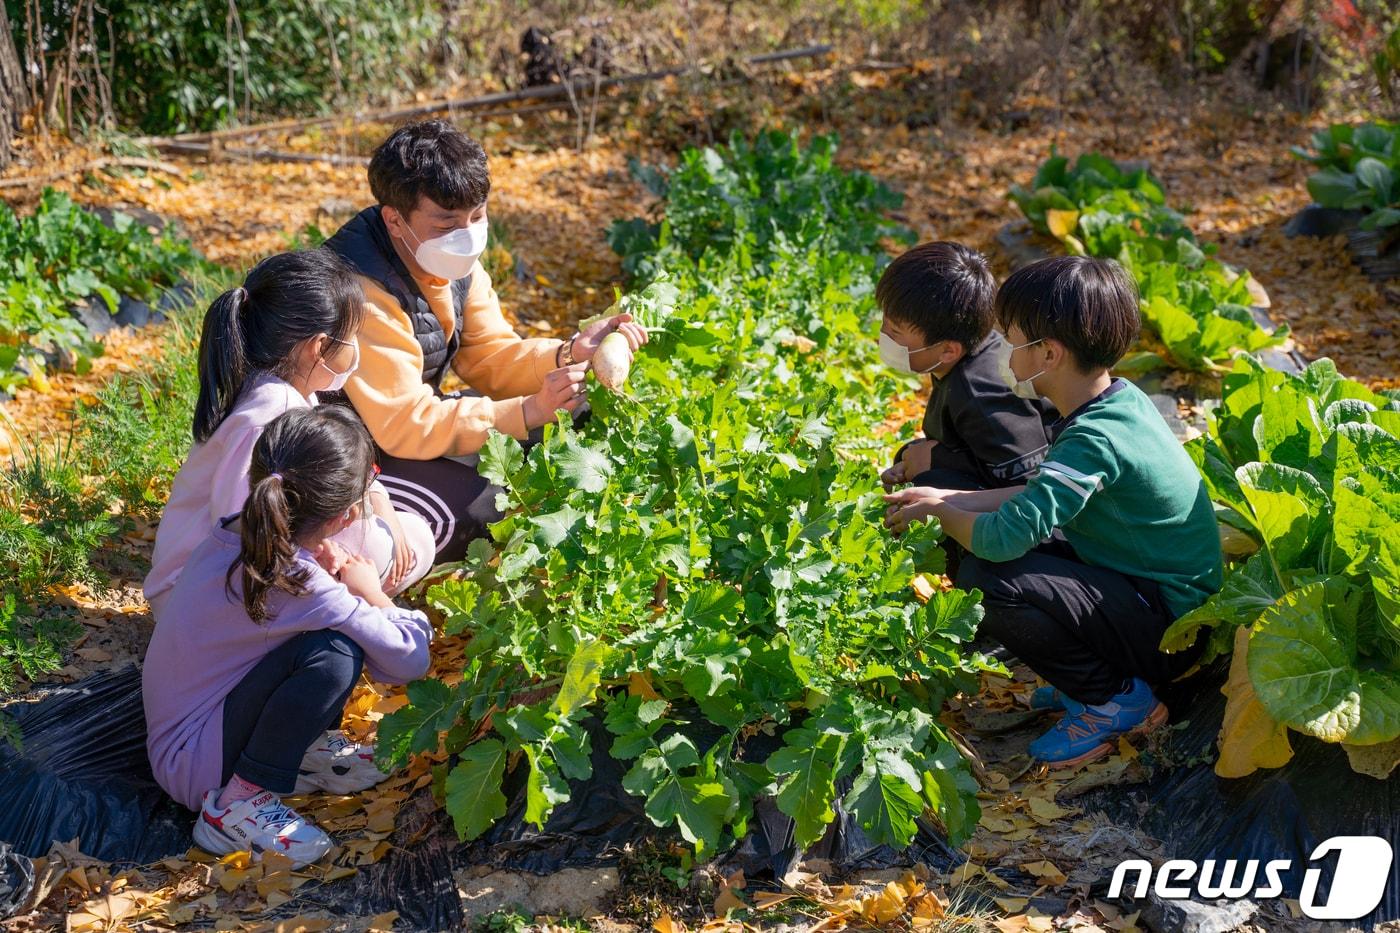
point(917, 503)
point(586, 343)
point(563, 388)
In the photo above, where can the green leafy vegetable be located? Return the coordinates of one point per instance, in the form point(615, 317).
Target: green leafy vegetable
point(1358, 168)
point(1198, 308)
point(1310, 464)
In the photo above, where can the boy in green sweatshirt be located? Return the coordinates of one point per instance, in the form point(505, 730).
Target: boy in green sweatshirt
point(1138, 543)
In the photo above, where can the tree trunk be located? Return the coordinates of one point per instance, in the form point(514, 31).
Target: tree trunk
point(14, 93)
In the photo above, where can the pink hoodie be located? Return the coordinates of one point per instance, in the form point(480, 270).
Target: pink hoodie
point(213, 484)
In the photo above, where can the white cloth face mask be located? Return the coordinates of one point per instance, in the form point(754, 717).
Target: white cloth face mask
point(1021, 388)
point(338, 379)
point(452, 255)
point(896, 356)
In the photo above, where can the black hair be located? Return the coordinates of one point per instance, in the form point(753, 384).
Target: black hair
point(285, 299)
point(431, 158)
point(943, 289)
point(1089, 305)
point(309, 465)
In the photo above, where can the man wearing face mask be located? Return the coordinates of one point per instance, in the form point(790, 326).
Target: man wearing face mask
point(978, 434)
point(430, 306)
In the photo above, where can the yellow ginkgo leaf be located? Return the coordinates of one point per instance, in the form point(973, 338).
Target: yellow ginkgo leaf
point(1061, 223)
point(1249, 737)
point(1046, 871)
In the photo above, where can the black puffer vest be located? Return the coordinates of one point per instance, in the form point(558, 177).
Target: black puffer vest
point(364, 242)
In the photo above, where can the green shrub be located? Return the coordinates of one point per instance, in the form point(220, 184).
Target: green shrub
point(52, 517)
point(182, 65)
point(137, 432)
point(63, 255)
point(1308, 465)
point(63, 500)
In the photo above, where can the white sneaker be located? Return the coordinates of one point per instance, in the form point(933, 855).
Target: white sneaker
point(259, 824)
point(338, 765)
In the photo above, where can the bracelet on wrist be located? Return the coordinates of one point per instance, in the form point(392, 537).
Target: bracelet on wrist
point(566, 352)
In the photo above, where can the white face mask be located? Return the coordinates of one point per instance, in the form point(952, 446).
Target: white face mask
point(452, 255)
point(338, 380)
point(1021, 388)
point(896, 356)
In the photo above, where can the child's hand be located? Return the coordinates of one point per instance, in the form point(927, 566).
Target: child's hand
point(911, 505)
point(918, 458)
point(361, 578)
point(404, 558)
point(331, 556)
point(893, 477)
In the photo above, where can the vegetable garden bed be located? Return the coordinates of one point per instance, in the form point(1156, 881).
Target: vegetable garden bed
point(1356, 190)
point(733, 654)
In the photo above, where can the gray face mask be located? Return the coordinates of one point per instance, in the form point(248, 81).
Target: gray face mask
point(1021, 388)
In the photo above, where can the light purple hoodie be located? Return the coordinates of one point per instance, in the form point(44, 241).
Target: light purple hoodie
point(205, 645)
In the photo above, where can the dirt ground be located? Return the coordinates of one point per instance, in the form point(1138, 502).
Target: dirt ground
point(1226, 160)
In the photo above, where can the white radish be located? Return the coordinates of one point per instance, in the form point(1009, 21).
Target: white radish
point(612, 360)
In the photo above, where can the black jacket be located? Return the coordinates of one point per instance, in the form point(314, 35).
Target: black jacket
point(364, 243)
point(983, 430)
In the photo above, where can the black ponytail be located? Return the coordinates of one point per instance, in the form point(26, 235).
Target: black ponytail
point(285, 299)
point(309, 465)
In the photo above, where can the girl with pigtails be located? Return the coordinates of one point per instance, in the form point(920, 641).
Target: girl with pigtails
point(263, 638)
point(268, 347)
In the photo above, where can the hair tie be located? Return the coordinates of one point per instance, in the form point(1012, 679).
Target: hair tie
point(241, 294)
point(276, 476)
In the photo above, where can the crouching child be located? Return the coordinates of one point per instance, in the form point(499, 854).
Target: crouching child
point(249, 669)
point(937, 305)
point(1138, 544)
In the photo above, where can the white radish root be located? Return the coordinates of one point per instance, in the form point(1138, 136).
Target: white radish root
point(612, 360)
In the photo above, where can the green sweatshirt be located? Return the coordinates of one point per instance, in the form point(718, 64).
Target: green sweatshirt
point(1120, 487)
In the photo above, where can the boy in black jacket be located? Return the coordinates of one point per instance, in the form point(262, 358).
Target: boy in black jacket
point(937, 302)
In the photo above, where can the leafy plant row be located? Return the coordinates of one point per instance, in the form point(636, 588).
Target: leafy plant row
point(1309, 466)
point(61, 256)
point(65, 498)
point(1358, 168)
point(1194, 305)
point(698, 580)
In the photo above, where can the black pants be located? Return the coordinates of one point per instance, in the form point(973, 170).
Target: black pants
point(294, 694)
point(1086, 630)
point(452, 497)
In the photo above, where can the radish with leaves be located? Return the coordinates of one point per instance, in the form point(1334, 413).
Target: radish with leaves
point(612, 361)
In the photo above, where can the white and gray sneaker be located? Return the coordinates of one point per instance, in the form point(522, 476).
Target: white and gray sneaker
point(259, 824)
point(337, 764)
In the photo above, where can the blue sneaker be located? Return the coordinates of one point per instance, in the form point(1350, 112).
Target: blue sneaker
point(1091, 733)
point(1049, 698)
